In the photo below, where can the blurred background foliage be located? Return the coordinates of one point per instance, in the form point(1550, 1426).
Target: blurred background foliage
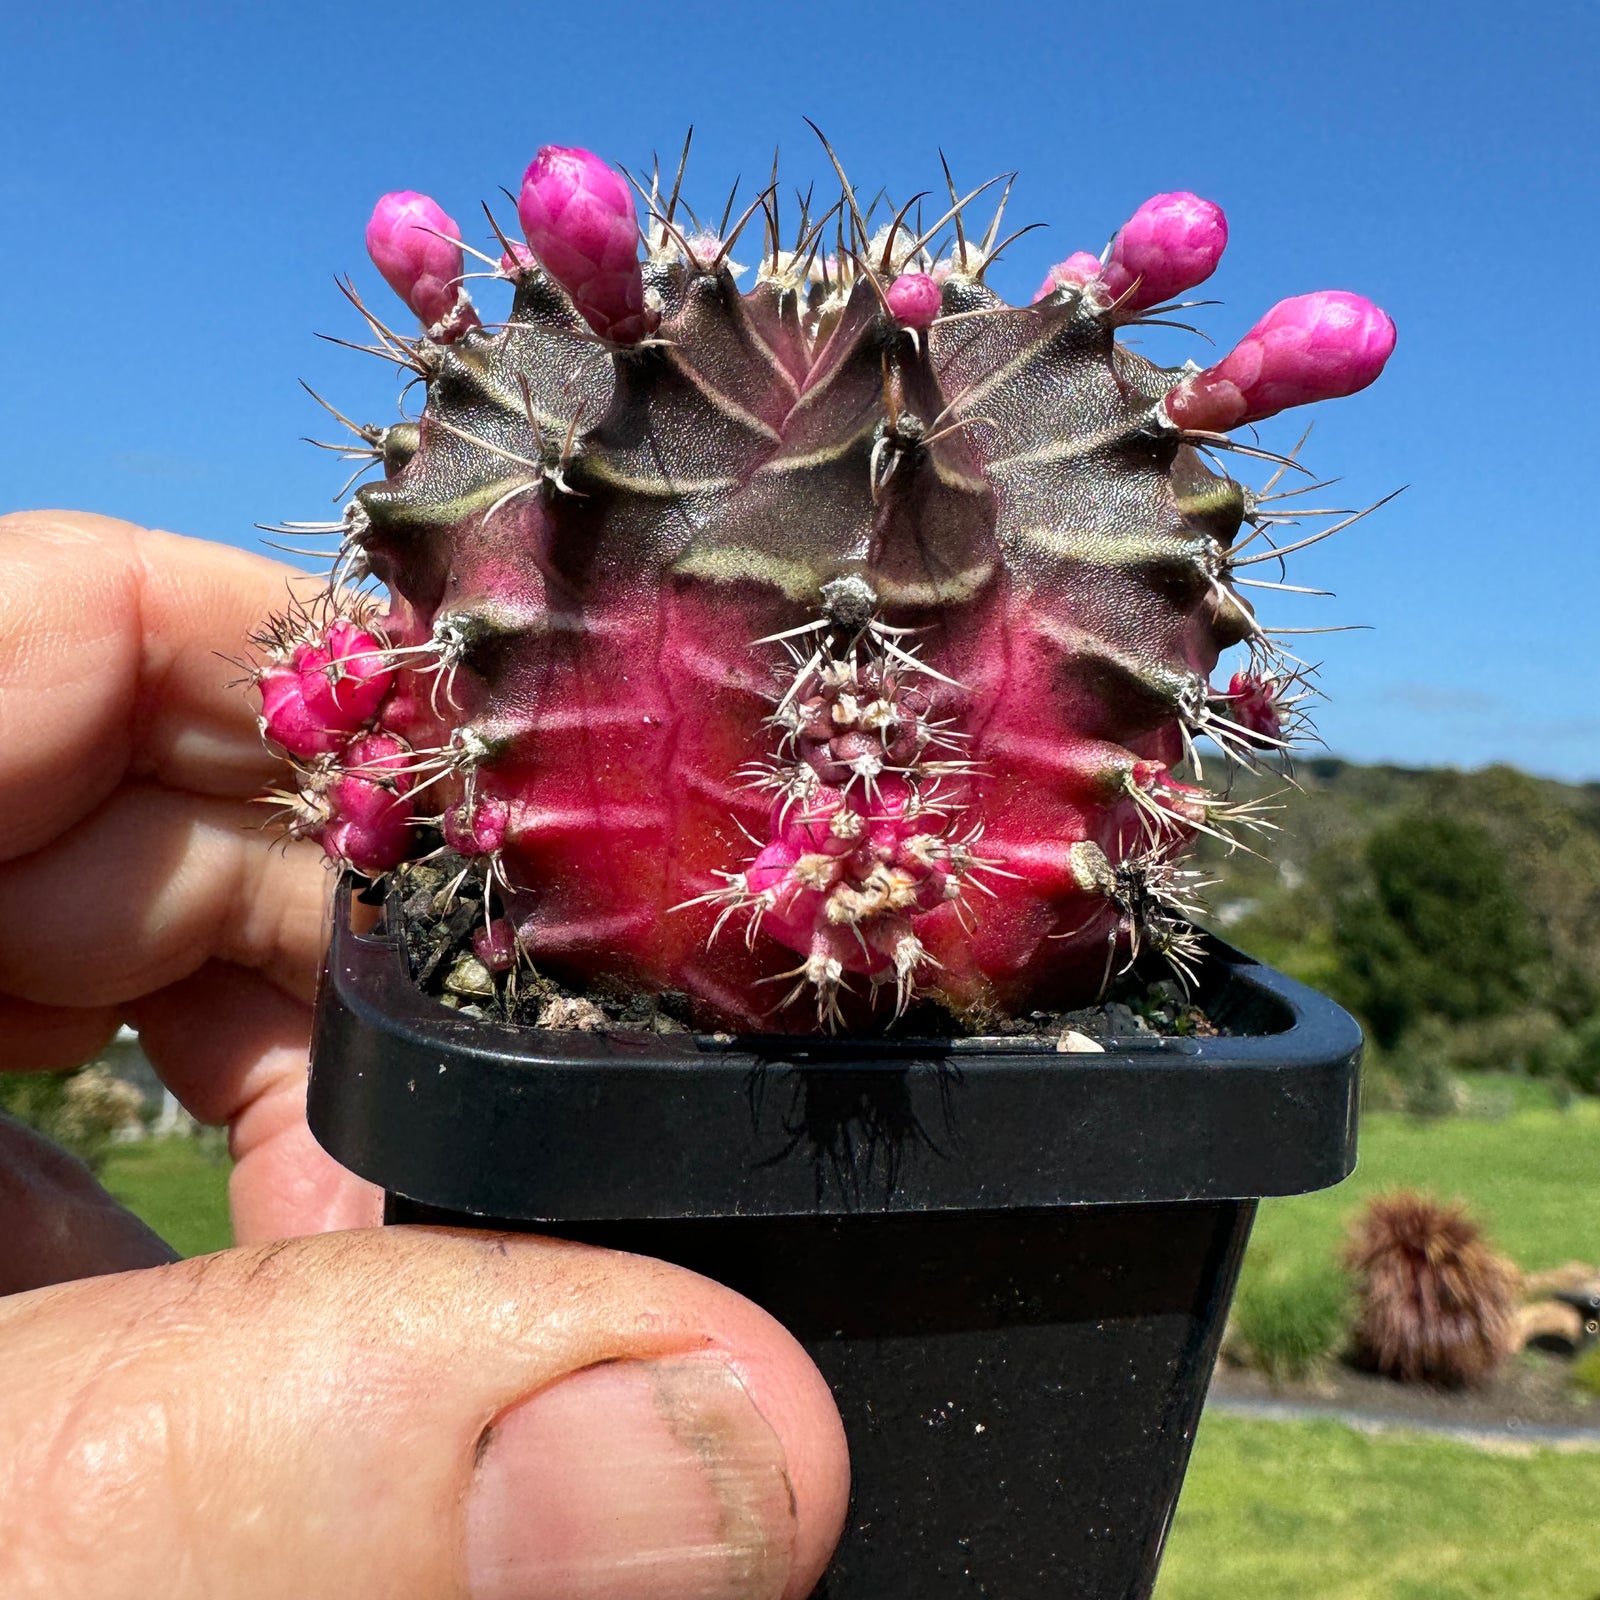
point(1456, 913)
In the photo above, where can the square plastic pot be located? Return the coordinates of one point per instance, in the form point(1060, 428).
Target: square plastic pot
point(1012, 1265)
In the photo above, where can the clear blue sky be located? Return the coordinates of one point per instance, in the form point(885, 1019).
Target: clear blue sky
point(180, 183)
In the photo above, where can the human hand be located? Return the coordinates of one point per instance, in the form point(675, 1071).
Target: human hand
point(399, 1412)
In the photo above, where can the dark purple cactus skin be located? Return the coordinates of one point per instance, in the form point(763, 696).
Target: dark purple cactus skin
point(806, 652)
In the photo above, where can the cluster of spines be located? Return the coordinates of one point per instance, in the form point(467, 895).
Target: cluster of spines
point(869, 828)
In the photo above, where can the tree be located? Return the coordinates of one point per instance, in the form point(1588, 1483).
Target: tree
point(1438, 930)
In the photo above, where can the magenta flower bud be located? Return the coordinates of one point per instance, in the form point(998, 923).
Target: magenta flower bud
point(1253, 704)
point(579, 218)
point(1314, 347)
point(478, 829)
point(370, 822)
point(1079, 268)
point(514, 260)
point(1171, 243)
point(914, 300)
point(496, 945)
point(381, 757)
point(423, 269)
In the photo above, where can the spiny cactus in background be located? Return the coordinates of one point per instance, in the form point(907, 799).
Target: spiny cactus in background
point(836, 640)
point(1436, 1304)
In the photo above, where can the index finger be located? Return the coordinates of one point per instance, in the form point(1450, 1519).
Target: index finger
point(113, 647)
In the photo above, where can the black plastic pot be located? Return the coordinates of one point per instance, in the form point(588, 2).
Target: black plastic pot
point(1012, 1265)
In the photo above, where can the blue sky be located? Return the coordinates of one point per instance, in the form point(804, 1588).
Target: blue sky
point(180, 184)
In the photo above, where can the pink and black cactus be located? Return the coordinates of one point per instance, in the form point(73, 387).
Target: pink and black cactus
point(837, 641)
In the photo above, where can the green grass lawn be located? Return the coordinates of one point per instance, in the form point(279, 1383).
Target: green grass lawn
point(1316, 1511)
point(1532, 1179)
point(179, 1187)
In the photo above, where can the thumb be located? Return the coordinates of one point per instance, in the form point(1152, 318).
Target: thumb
point(415, 1414)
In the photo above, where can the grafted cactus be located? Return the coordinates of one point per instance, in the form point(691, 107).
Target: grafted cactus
point(830, 643)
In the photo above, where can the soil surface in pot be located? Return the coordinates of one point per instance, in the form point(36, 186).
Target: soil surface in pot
point(1532, 1390)
point(442, 908)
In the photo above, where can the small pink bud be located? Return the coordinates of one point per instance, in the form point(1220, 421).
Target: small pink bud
point(423, 269)
point(1314, 347)
point(514, 260)
point(1171, 243)
point(346, 676)
point(579, 218)
point(1078, 269)
point(705, 247)
point(1253, 704)
point(369, 823)
point(478, 829)
point(914, 300)
point(382, 758)
point(496, 946)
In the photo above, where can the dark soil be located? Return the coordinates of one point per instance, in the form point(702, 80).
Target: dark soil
point(1532, 1390)
point(442, 902)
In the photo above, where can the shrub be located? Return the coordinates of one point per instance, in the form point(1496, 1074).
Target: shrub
point(1435, 1303)
point(1290, 1318)
point(82, 1111)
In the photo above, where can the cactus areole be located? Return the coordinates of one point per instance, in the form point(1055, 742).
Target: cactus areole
point(811, 649)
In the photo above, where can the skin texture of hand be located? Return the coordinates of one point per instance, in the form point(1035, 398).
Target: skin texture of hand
point(408, 1413)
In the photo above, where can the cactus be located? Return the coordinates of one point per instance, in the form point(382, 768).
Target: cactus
point(828, 644)
point(1436, 1304)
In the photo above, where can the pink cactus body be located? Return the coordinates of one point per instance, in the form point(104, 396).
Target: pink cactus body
point(914, 300)
point(1314, 347)
point(1080, 268)
point(1170, 244)
point(793, 663)
point(579, 218)
point(403, 239)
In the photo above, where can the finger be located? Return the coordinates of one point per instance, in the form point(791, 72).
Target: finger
point(150, 887)
point(411, 1413)
point(114, 663)
point(39, 1038)
point(233, 1048)
point(59, 1223)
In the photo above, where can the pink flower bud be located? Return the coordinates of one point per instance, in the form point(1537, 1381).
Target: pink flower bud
point(496, 946)
point(914, 300)
point(381, 757)
point(423, 269)
point(1253, 705)
point(370, 823)
point(514, 261)
point(1078, 269)
point(478, 829)
point(1314, 347)
point(579, 218)
point(1171, 243)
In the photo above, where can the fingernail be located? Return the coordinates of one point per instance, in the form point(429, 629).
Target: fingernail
point(651, 1479)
